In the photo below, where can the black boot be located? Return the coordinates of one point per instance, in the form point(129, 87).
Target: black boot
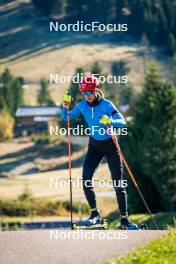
point(95, 218)
point(127, 225)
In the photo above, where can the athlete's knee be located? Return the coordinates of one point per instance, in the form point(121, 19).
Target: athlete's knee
point(87, 183)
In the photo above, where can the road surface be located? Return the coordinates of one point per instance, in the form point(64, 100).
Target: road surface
point(64, 246)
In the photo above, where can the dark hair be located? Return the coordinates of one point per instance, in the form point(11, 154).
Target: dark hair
point(99, 92)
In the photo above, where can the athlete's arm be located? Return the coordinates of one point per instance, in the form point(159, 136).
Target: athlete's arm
point(117, 119)
point(75, 112)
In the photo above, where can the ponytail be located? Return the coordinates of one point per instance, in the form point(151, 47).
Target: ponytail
point(99, 93)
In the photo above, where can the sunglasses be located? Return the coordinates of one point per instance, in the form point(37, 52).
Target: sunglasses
point(87, 93)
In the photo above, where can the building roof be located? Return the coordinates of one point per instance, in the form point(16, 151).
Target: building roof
point(25, 111)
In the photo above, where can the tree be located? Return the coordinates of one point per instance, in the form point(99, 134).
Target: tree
point(11, 92)
point(126, 94)
point(74, 87)
point(107, 13)
point(123, 93)
point(77, 7)
point(52, 7)
point(2, 103)
point(17, 94)
point(98, 71)
point(150, 146)
point(44, 97)
point(93, 10)
point(155, 18)
point(96, 68)
point(7, 81)
point(160, 150)
point(120, 68)
point(122, 11)
point(26, 194)
point(6, 125)
point(171, 47)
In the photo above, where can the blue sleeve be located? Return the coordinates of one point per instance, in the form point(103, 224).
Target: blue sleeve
point(117, 119)
point(75, 112)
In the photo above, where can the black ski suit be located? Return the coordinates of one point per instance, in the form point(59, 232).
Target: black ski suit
point(96, 151)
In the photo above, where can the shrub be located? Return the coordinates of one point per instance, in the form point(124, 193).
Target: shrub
point(6, 126)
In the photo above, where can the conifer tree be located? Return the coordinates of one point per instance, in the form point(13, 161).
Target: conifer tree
point(44, 97)
point(150, 146)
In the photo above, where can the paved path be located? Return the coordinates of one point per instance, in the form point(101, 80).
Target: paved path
point(64, 247)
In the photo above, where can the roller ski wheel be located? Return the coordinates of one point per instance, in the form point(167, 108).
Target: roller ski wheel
point(130, 227)
point(75, 226)
point(82, 226)
point(134, 227)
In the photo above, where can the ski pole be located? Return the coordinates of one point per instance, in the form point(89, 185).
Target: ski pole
point(69, 163)
point(114, 138)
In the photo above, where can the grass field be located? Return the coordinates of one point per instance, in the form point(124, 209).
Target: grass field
point(24, 158)
point(45, 184)
point(43, 169)
point(47, 52)
point(164, 220)
point(105, 205)
point(160, 251)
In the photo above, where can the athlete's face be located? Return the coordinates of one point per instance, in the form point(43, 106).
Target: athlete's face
point(89, 97)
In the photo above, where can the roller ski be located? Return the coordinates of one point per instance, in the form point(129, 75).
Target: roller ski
point(95, 221)
point(127, 225)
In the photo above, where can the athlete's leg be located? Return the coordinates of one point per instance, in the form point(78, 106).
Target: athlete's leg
point(116, 169)
point(92, 160)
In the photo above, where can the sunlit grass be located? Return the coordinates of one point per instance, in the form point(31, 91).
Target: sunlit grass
point(164, 220)
point(160, 251)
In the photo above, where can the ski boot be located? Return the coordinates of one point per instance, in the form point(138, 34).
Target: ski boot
point(127, 225)
point(95, 221)
point(143, 227)
point(95, 218)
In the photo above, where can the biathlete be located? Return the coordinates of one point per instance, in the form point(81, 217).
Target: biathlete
point(100, 113)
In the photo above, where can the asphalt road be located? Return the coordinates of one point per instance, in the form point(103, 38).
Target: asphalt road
point(64, 246)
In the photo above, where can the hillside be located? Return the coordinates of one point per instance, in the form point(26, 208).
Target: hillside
point(31, 51)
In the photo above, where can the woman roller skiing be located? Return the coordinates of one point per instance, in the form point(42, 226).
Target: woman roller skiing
point(100, 113)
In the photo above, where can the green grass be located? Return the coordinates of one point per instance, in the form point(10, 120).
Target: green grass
point(160, 251)
point(46, 138)
point(164, 220)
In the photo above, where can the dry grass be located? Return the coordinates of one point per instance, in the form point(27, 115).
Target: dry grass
point(48, 184)
point(31, 51)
